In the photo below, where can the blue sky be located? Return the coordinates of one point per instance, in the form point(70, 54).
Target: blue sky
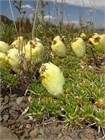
point(88, 10)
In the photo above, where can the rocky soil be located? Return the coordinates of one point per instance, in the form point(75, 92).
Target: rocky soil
point(18, 126)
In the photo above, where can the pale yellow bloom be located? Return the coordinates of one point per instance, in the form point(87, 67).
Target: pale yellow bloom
point(52, 78)
point(4, 47)
point(79, 47)
point(15, 61)
point(58, 47)
point(98, 42)
point(2, 60)
point(95, 35)
point(18, 43)
point(33, 51)
point(83, 35)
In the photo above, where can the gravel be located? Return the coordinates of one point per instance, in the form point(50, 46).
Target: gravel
point(16, 125)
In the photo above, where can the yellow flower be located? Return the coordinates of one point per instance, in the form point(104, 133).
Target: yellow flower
point(58, 47)
point(4, 47)
point(18, 43)
point(78, 46)
point(95, 35)
point(98, 42)
point(2, 60)
point(100, 102)
point(15, 61)
point(52, 78)
point(33, 51)
point(83, 35)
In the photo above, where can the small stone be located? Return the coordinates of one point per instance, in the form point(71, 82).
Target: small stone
point(41, 131)
point(13, 105)
point(6, 134)
point(34, 133)
point(25, 135)
point(14, 114)
point(28, 126)
point(66, 138)
point(46, 131)
point(21, 119)
point(1, 119)
point(76, 134)
point(59, 135)
point(5, 117)
point(11, 122)
point(55, 130)
point(64, 132)
point(99, 139)
point(19, 132)
point(19, 100)
point(40, 137)
point(1, 100)
point(53, 137)
point(30, 99)
point(5, 124)
point(21, 126)
point(90, 136)
point(23, 106)
point(6, 100)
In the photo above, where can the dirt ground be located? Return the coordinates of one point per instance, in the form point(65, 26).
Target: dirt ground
point(18, 126)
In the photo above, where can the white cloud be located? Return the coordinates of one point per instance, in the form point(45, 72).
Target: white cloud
point(49, 18)
point(75, 23)
point(28, 6)
point(85, 3)
point(53, 20)
point(91, 12)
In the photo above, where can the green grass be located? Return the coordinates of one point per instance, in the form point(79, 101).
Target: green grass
point(8, 79)
point(83, 87)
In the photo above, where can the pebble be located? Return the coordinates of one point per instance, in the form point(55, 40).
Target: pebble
point(1, 118)
point(30, 99)
point(67, 138)
point(25, 135)
point(1, 100)
point(15, 115)
point(21, 126)
point(34, 133)
point(28, 126)
point(23, 106)
point(13, 105)
point(12, 109)
point(76, 134)
point(6, 134)
point(59, 135)
point(2, 108)
point(55, 130)
point(19, 100)
point(40, 137)
point(41, 131)
point(6, 100)
point(90, 135)
point(5, 117)
point(10, 122)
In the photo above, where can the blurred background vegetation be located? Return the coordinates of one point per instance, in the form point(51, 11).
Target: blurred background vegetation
point(43, 29)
